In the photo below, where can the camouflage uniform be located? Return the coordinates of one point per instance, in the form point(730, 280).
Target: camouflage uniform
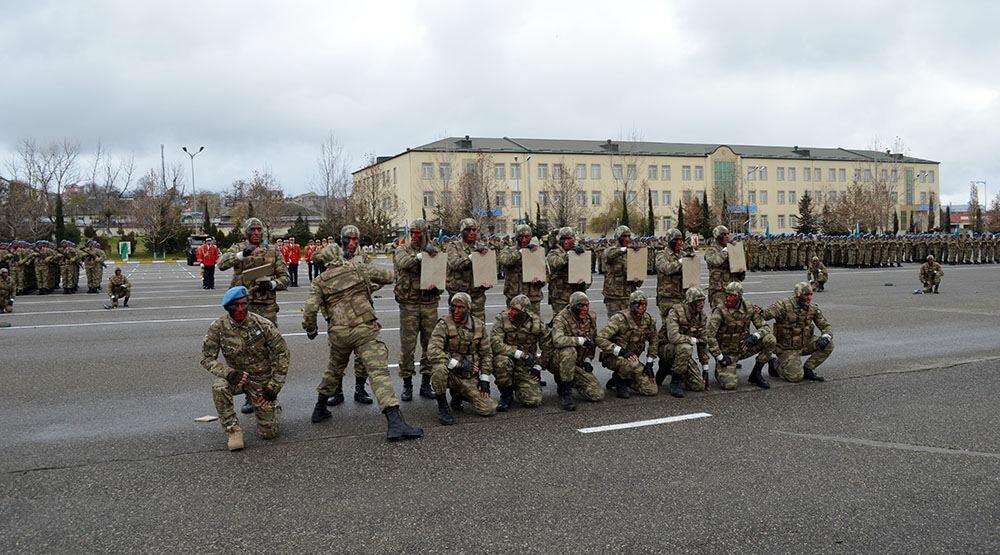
point(510, 262)
point(817, 275)
point(683, 329)
point(119, 287)
point(7, 291)
point(570, 359)
point(93, 263)
point(418, 312)
point(669, 289)
point(793, 326)
point(930, 275)
point(627, 334)
point(69, 268)
point(717, 259)
point(557, 261)
point(460, 272)
point(459, 342)
point(264, 303)
point(729, 329)
point(616, 289)
point(254, 346)
point(511, 342)
point(46, 281)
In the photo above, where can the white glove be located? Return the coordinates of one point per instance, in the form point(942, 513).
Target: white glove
point(274, 285)
point(623, 249)
point(725, 249)
point(518, 353)
point(239, 255)
point(420, 256)
point(617, 350)
point(694, 341)
point(757, 335)
point(581, 340)
point(484, 378)
point(201, 265)
point(827, 336)
point(452, 364)
point(651, 359)
point(705, 368)
point(720, 357)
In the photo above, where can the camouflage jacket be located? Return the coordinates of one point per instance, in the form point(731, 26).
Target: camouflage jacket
point(119, 285)
point(728, 327)
point(510, 261)
point(615, 286)
point(718, 267)
point(461, 342)
point(254, 346)
point(793, 323)
point(622, 330)
point(407, 288)
point(566, 327)
point(927, 271)
point(6, 287)
point(560, 289)
point(460, 267)
point(46, 256)
point(344, 293)
point(682, 325)
point(507, 337)
point(818, 273)
point(669, 276)
point(71, 257)
point(92, 257)
point(270, 256)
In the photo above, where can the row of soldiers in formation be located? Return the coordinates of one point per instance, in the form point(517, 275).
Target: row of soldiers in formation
point(461, 356)
point(43, 267)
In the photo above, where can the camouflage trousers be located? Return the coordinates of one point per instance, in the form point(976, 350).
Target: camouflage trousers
point(930, 283)
point(6, 302)
point(716, 297)
point(70, 275)
point(267, 310)
point(726, 375)
point(790, 362)
point(94, 276)
point(268, 418)
point(415, 321)
point(18, 274)
point(511, 374)
point(368, 349)
point(42, 273)
point(615, 304)
point(568, 368)
point(443, 379)
point(679, 358)
point(118, 293)
point(665, 303)
point(631, 372)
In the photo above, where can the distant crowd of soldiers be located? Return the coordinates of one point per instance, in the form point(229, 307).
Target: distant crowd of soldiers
point(44, 267)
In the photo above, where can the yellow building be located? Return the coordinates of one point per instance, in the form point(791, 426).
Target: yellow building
point(576, 180)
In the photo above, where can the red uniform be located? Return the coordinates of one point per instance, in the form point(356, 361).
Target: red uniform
point(293, 253)
point(207, 254)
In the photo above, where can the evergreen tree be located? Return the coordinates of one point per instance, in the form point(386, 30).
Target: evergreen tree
point(930, 214)
point(624, 210)
point(706, 218)
point(895, 223)
point(807, 220)
point(977, 226)
point(946, 220)
point(540, 228)
point(650, 218)
point(60, 220)
point(300, 230)
point(680, 216)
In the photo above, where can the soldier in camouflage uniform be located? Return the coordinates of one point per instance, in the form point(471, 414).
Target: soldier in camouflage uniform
point(730, 340)
point(460, 266)
point(558, 262)
point(119, 287)
point(461, 360)
point(669, 288)
point(43, 270)
point(510, 262)
point(574, 335)
point(930, 276)
point(93, 263)
point(794, 318)
point(622, 341)
point(7, 291)
point(682, 333)
point(251, 253)
point(518, 334)
point(350, 242)
point(69, 267)
point(417, 308)
point(717, 258)
point(256, 363)
point(616, 289)
point(24, 269)
point(817, 274)
point(344, 293)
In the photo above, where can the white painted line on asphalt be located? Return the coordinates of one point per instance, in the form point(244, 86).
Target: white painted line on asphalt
point(641, 423)
point(893, 445)
point(302, 333)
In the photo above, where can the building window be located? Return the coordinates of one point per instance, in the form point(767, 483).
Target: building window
point(781, 197)
point(653, 172)
point(666, 198)
point(557, 198)
point(581, 171)
point(793, 220)
point(595, 171)
point(763, 173)
point(752, 197)
point(763, 197)
point(543, 171)
point(616, 171)
point(471, 167)
point(699, 173)
point(668, 222)
point(515, 199)
point(515, 170)
point(868, 176)
point(843, 175)
point(895, 176)
point(654, 198)
point(426, 171)
point(428, 199)
point(781, 174)
point(806, 174)
point(781, 221)
point(817, 175)
point(685, 173)
point(923, 197)
point(752, 174)
point(631, 171)
point(700, 195)
point(581, 198)
point(791, 174)
point(687, 196)
point(665, 172)
point(631, 197)
point(445, 198)
point(930, 176)
point(556, 171)
point(894, 196)
point(832, 175)
point(444, 170)
point(763, 221)
point(543, 198)
point(581, 226)
point(500, 171)
point(831, 197)
point(595, 198)
point(885, 176)
point(501, 198)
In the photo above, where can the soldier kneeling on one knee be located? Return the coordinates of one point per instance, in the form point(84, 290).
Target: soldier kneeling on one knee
point(682, 334)
point(623, 340)
point(518, 333)
point(730, 339)
point(461, 359)
point(794, 319)
point(574, 331)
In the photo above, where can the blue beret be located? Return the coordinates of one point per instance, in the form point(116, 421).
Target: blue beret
point(233, 294)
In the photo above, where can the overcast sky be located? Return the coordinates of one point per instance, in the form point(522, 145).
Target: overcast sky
point(261, 84)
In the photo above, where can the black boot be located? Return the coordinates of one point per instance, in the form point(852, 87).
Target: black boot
point(398, 428)
point(506, 398)
point(565, 390)
point(811, 376)
point(247, 408)
point(613, 382)
point(444, 413)
point(456, 400)
point(621, 388)
point(319, 411)
point(936, 288)
point(676, 389)
point(337, 397)
point(360, 395)
point(661, 373)
point(772, 367)
point(757, 379)
point(407, 394)
point(125, 303)
point(425, 386)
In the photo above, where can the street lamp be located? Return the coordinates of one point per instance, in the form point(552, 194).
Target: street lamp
point(750, 171)
point(186, 151)
point(517, 180)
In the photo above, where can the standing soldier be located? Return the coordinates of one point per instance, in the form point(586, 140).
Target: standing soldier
point(207, 255)
point(307, 254)
point(42, 253)
point(558, 262)
point(460, 266)
point(119, 287)
point(717, 258)
point(256, 363)
point(518, 333)
point(930, 276)
point(69, 267)
point(294, 255)
point(350, 242)
point(7, 291)
point(93, 263)
point(682, 333)
point(793, 324)
point(417, 308)
point(461, 360)
point(24, 268)
point(730, 340)
point(623, 340)
point(616, 289)
point(574, 344)
point(817, 275)
point(343, 292)
point(510, 263)
point(251, 253)
point(669, 277)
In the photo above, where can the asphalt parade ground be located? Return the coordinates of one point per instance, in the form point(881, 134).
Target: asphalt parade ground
point(898, 451)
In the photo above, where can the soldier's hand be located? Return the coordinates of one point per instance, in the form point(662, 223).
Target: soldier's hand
point(238, 378)
point(535, 374)
point(636, 246)
point(483, 250)
point(265, 403)
point(726, 360)
point(579, 250)
point(588, 344)
point(249, 251)
point(430, 249)
point(625, 353)
point(269, 394)
point(264, 286)
point(484, 386)
point(648, 368)
point(312, 334)
point(587, 367)
point(530, 359)
point(823, 341)
point(535, 281)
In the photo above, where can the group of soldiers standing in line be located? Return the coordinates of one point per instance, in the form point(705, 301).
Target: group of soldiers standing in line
point(462, 358)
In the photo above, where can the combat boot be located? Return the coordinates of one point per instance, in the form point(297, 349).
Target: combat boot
point(936, 288)
point(676, 389)
point(506, 398)
point(337, 397)
point(621, 388)
point(125, 304)
point(612, 382)
point(360, 395)
point(407, 394)
point(247, 407)
point(319, 411)
point(444, 413)
point(398, 428)
point(234, 437)
point(426, 390)
point(661, 373)
point(811, 376)
point(456, 400)
point(756, 378)
point(565, 390)
point(772, 367)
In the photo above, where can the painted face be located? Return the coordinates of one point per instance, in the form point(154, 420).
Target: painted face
point(568, 243)
point(517, 317)
point(724, 239)
point(806, 299)
point(626, 240)
point(255, 235)
point(471, 235)
point(697, 307)
point(584, 311)
point(676, 245)
point(416, 236)
point(240, 310)
point(458, 313)
point(639, 308)
point(731, 300)
point(523, 241)
point(352, 244)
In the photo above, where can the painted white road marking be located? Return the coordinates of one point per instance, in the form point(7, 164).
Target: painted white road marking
point(641, 423)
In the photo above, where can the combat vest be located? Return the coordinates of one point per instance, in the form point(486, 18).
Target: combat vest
point(734, 326)
point(460, 280)
point(407, 288)
point(796, 328)
point(244, 347)
point(638, 333)
point(688, 324)
point(346, 297)
point(524, 338)
point(559, 287)
point(269, 257)
point(615, 284)
point(668, 286)
point(463, 344)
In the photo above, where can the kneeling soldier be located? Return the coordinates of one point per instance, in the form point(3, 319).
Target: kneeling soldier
point(682, 333)
point(622, 340)
point(517, 335)
point(730, 340)
point(461, 360)
point(793, 325)
point(574, 331)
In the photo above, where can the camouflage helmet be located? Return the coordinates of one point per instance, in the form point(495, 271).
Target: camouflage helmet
point(621, 231)
point(419, 224)
point(520, 302)
point(461, 298)
point(930, 258)
point(4, 271)
point(349, 231)
point(674, 234)
point(815, 259)
point(734, 288)
point(694, 295)
point(522, 229)
point(467, 223)
point(578, 299)
point(566, 233)
point(637, 297)
point(719, 231)
point(801, 288)
point(248, 225)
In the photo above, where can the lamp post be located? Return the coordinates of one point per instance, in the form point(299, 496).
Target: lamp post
point(750, 171)
point(520, 209)
point(192, 155)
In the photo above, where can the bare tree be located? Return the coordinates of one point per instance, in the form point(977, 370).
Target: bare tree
point(156, 208)
point(332, 181)
point(993, 215)
point(629, 174)
point(47, 168)
point(444, 185)
point(21, 212)
point(475, 193)
point(871, 198)
point(260, 196)
point(563, 207)
point(110, 178)
point(373, 205)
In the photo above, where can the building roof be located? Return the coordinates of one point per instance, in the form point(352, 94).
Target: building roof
point(509, 145)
